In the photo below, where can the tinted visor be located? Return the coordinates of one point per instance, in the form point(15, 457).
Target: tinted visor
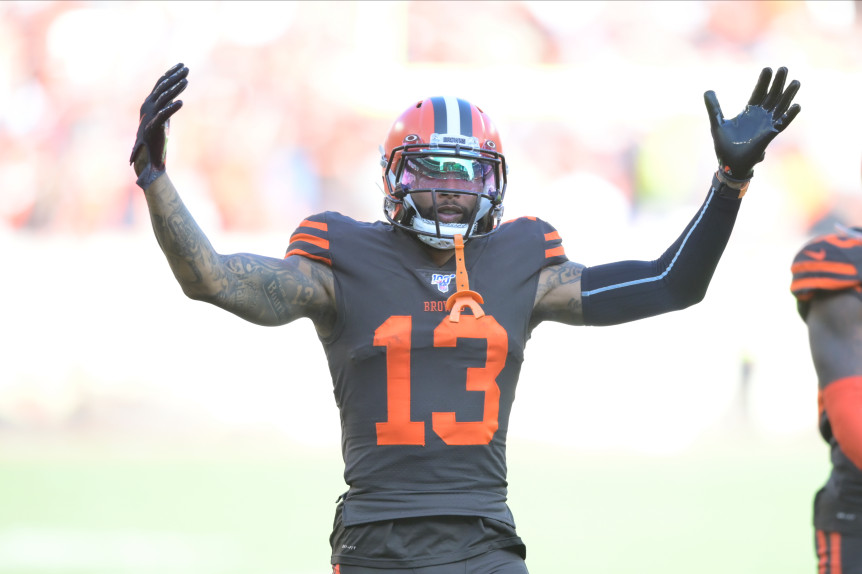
point(449, 167)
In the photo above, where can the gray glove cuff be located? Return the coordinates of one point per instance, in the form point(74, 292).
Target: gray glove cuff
point(148, 176)
point(726, 186)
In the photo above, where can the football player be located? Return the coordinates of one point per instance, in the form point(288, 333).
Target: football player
point(424, 317)
point(827, 284)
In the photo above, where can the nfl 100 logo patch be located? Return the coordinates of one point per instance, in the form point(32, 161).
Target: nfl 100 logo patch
point(442, 281)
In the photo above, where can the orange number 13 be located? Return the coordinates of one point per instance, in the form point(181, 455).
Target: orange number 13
point(395, 335)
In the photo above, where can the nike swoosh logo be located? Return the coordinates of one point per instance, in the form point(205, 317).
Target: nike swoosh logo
point(819, 255)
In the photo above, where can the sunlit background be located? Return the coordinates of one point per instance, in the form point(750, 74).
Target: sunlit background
point(141, 431)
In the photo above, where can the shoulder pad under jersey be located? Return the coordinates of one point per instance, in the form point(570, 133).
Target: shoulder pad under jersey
point(311, 240)
point(554, 252)
point(828, 263)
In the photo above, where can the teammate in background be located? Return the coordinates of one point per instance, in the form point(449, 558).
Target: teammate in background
point(827, 284)
point(424, 317)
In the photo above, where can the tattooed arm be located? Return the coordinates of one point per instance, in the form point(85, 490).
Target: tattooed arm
point(558, 297)
point(262, 290)
point(259, 289)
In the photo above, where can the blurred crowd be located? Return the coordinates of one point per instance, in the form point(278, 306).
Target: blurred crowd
point(599, 105)
point(277, 127)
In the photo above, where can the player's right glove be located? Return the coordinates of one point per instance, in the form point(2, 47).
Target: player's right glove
point(741, 142)
point(150, 149)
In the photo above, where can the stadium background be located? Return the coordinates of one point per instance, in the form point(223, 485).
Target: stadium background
point(141, 431)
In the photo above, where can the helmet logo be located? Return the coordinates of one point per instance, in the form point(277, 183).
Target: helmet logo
point(442, 281)
point(468, 141)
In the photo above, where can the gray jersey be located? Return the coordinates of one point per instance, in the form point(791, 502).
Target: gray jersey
point(425, 401)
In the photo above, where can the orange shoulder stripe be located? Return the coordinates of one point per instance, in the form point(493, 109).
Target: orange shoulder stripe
point(822, 283)
point(313, 239)
point(314, 225)
point(554, 252)
point(552, 236)
point(302, 253)
point(843, 243)
point(824, 266)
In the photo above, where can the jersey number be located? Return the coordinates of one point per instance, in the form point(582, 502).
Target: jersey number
point(395, 335)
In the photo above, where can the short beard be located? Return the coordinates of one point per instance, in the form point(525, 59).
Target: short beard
point(428, 212)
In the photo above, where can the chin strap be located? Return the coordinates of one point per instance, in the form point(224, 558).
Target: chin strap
point(463, 297)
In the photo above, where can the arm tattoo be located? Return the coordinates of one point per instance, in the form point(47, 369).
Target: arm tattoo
point(274, 291)
point(569, 275)
point(260, 289)
point(558, 297)
point(189, 253)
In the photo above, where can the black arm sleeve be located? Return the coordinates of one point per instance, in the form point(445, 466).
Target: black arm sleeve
point(629, 290)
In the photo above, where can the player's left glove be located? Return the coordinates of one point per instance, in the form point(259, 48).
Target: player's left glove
point(150, 149)
point(741, 142)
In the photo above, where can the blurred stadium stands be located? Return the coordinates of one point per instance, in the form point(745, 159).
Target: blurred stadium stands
point(600, 106)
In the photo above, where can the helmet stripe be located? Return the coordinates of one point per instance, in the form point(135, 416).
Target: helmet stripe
point(452, 116)
point(465, 117)
point(440, 115)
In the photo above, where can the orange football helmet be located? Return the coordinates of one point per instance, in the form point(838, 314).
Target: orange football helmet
point(438, 140)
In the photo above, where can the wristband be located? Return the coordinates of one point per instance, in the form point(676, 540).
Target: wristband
point(148, 176)
point(727, 186)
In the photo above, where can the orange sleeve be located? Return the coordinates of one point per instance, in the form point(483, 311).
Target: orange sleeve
point(842, 400)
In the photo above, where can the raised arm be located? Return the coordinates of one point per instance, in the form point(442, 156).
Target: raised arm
point(630, 290)
point(263, 290)
point(626, 291)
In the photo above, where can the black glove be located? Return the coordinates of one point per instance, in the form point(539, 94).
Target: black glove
point(155, 119)
point(741, 142)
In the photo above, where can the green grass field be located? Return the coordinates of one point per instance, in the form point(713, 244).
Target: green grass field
point(238, 507)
